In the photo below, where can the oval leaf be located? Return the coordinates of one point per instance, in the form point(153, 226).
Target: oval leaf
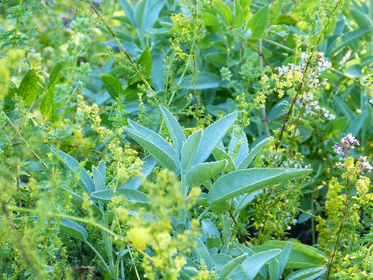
point(229, 267)
point(254, 263)
point(28, 89)
point(249, 181)
point(200, 173)
point(113, 86)
point(130, 194)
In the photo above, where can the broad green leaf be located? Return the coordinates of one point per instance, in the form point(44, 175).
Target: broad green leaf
point(174, 128)
point(202, 172)
point(223, 11)
point(190, 149)
point(98, 180)
point(205, 80)
point(245, 249)
point(140, 13)
point(345, 39)
point(275, 9)
point(144, 65)
point(362, 20)
point(134, 183)
point(241, 152)
point(217, 58)
point(220, 208)
point(344, 107)
point(153, 13)
point(202, 253)
point(73, 229)
point(246, 162)
point(238, 15)
point(229, 267)
point(212, 135)
point(113, 86)
point(258, 22)
point(284, 257)
point(210, 228)
point(249, 181)
point(28, 89)
point(356, 124)
point(102, 168)
point(54, 73)
point(47, 105)
point(85, 180)
point(220, 154)
point(162, 151)
point(273, 269)
point(253, 264)
point(130, 194)
point(210, 22)
point(307, 273)
point(128, 11)
point(336, 127)
point(301, 256)
point(78, 201)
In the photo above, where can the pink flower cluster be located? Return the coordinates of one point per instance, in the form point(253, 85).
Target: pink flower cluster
point(348, 143)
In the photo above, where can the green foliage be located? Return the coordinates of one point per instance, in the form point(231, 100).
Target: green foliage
point(159, 139)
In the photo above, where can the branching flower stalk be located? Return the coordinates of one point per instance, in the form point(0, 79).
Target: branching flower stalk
point(287, 115)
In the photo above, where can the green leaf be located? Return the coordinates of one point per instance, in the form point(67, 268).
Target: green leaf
point(202, 253)
point(189, 149)
point(140, 11)
point(200, 173)
point(344, 107)
point(210, 22)
point(153, 13)
point(249, 252)
point(85, 180)
point(161, 150)
point(128, 11)
point(144, 64)
point(356, 124)
point(220, 154)
point(362, 20)
point(223, 11)
point(273, 269)
point(73, 229)
point(229, 267)
point(307, 273)
point(336, 127)
point(253, 263)
point(134, 183)
point(246, 162)
point(258, 22)
point(301, 256)
point(113, 86)
point(78, 201)
point(130, 194)
point(283, 258)
point(174, 128)
point(249, 181)
point(47, 105)
point(205, 80)
point(98, 180)
point(220, 208)
point(212, 135)
point(102, 168)
point(217, 58)
point(275, 9)
point(54, 73)
point(28, 89)
point(345, 39)
point(238, 15)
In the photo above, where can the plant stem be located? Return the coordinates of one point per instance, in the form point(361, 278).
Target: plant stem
point(19, 240)
point(125, 52)
point(239, 230)
point(27, 144)
point(255, 49)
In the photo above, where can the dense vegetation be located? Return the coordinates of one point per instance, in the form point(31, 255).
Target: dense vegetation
point(192, 139)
